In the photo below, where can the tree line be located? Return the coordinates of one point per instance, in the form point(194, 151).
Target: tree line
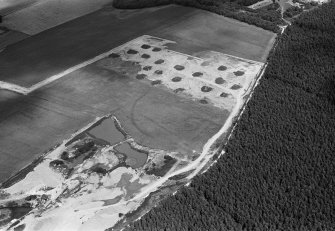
point(267, 17)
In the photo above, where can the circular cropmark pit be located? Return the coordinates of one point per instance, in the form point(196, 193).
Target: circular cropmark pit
point(156, 49)
point(219, 80)
point(132, 52)
point(197, 74)
point(223, 94)
point(203, 101)
point(141, 76)
point(222, 68)
point(179, 67)
point(158, 72)
point(159, 61)
point(156, 82)
point(179, 90)
point(205, 63)
point(235, 87)
point(206, 89)
point(238, 73)
point(147, 68)
point(114, 55)
point(145, 56)
point(176, 79)
point(145, 46)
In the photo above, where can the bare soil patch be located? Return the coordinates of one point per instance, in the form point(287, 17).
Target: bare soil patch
point(147, 68)
point(132, 52)
point(156, 82)
point(114, 55)
point(222, 68)
point(179, 90)
point(206, 89)
point(141, 76)
point(179, 67)
point(176, 79)
point(235, 87)
point(205, 63)
point(219, 80)
point(145, 46)
point(156, 49)
point(197, 74)
point(159, 61)
point(223, 94)
point(145, 56)
point(239, 73)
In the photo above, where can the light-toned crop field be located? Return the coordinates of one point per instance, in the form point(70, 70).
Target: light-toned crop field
point(39, 16)
point(213, 78)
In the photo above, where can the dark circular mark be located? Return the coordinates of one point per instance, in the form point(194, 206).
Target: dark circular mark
point(197, 74)
point(159, 61)
point(145, 46)
point(235, 87)
point(114, 55)
point(132, 52)
point(238, 73)
point(223, 94)
point(156, 82)
point(147, 68)
point(203, 101)
point(158, 72)
point(156, 49)
point(206, 89)
point(205, 63)
point(141, 76)
point(179, 90)
point(176, 79)
point(145, 56)
point(219, 80)
point(222, 68)
point(179, 67)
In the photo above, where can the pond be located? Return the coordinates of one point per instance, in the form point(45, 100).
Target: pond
point(135, 159)
point(107, 131)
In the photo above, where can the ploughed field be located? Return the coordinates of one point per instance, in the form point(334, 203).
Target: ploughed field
point(148, 113)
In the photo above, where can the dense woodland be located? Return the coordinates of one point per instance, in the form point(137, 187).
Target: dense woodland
point(268, 17)
point(278, 172)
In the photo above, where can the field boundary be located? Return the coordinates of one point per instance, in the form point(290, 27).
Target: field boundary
point(195, 57)
point(26, 90)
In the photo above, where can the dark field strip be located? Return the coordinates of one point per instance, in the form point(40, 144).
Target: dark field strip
point(48, 53)
point(278, 170)
point(52, 51)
